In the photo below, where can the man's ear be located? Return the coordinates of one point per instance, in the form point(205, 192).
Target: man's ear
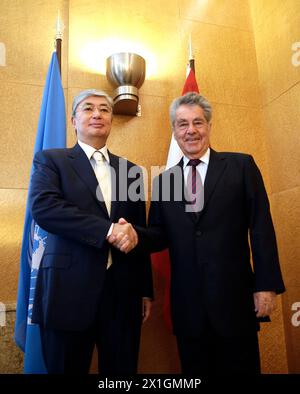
point(173, 132)
point(74, 124)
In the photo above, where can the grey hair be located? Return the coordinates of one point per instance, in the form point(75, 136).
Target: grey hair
point(191, 98)
point(88, 93)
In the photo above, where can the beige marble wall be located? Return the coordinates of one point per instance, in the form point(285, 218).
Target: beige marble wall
point(227, 74)
point(276, 26)
point(11, 358)
point(27, 29)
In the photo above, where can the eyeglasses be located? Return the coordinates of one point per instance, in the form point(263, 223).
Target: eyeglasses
point(91, 108)
point(183, 125)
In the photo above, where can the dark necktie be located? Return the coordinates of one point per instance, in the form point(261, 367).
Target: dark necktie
point(194, 187)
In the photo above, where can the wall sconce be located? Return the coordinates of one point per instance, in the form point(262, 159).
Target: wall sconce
point(126, 73)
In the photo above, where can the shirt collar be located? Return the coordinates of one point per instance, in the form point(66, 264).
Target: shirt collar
point(204, 158)
point(89, 150)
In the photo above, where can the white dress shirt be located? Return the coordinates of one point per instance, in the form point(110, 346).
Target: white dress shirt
point(89, 151)
point(201, 167)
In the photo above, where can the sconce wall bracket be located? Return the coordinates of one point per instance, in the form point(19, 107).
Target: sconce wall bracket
point(126, 73)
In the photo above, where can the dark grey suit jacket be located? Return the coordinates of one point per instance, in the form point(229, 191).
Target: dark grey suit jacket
point(63, 202)
point(211, 274)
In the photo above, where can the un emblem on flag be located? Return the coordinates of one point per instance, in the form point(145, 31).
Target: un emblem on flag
point(38, 242)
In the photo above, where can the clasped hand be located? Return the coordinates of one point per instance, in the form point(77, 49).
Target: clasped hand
point(123, 236)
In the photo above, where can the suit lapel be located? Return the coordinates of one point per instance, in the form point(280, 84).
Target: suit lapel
point(114, 163)
point(182, 203)
point(84, 170)
point(216, 166)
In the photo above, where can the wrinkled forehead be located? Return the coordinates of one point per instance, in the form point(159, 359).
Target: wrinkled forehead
point(185, 111)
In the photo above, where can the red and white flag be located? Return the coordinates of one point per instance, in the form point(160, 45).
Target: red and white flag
point(161, 260)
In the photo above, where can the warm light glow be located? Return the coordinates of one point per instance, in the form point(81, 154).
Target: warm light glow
point(92, 56)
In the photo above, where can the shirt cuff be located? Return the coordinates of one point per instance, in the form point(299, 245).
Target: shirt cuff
point(110, 230)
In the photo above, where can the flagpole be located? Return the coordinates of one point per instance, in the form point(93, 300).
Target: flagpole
point(58, 39)
point(58, 52)
point(191, 56)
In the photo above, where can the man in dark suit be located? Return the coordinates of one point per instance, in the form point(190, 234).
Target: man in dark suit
point(217, 299)
point(87, 291)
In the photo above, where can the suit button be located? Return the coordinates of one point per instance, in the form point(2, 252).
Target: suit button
point(198, 233)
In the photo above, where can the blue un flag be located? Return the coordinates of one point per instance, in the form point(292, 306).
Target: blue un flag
point(51, 133)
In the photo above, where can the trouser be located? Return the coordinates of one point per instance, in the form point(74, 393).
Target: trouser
point(115, 332)
point(212, 354)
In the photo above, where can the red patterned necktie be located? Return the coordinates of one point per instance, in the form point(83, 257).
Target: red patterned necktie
point(194, 187)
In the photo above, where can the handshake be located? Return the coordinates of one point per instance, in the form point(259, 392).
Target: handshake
point(123, 236)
